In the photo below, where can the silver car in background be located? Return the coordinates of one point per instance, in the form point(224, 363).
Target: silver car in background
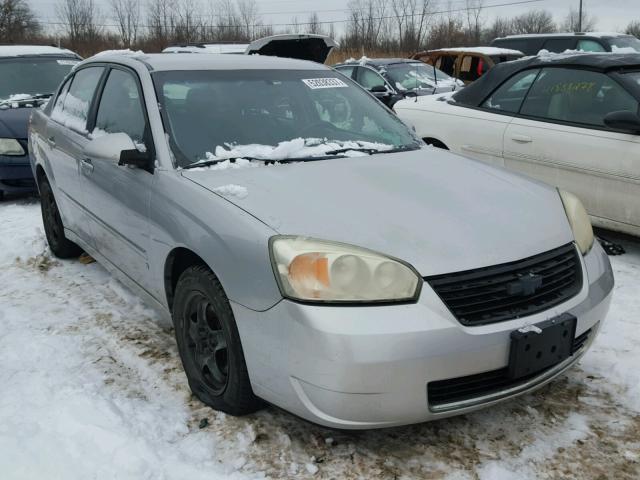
point(310, 251)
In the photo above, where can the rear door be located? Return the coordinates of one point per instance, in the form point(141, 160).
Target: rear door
point(66, 137)
point(118, 196)
point(560, 138)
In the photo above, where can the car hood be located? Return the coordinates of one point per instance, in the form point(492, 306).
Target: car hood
point(440, 212)
point(14, 122)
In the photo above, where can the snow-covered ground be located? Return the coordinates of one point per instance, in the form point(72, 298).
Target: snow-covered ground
point(92, 388)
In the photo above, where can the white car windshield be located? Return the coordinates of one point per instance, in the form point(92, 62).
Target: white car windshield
point(273, 115)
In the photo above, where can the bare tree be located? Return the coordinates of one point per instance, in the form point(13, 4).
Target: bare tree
point(412, 22)
point(80, 21)
point(313, 24)
point(500, 27)
point(366, 21)
point(249, 17)
point(633, 28)
point(17, 21)
point(127, 14)
point(474, 20)
point(161, 19)
point(572, 21)
point(534, 21)
point(187, 22)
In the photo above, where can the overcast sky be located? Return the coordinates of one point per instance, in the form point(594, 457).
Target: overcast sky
point(612, 15)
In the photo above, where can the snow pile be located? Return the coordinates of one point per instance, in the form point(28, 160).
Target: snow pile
point(296, 148)
point(615, 49)
point(231, 190)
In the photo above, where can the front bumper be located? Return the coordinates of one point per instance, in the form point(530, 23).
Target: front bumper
point(16, 175)
point(369, 367)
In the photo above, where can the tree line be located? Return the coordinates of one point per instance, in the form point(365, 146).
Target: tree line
point(391, 26)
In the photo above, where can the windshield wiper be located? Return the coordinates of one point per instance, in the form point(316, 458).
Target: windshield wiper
point(267, 161)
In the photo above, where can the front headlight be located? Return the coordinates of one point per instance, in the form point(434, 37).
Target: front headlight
point(579, 221)
point(10, 146)
point(321, 271)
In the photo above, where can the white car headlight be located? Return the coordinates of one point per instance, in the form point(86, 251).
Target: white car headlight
point(10, 146)
point(579, 221)
point(321, 271)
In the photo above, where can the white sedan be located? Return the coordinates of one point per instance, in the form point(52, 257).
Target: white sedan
point(568, 120)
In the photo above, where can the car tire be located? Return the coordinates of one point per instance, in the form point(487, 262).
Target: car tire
point(59, 244)
point(209, 344)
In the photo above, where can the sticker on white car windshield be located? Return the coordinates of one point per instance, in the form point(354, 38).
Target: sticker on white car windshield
point(315, 83)
point(68, 62)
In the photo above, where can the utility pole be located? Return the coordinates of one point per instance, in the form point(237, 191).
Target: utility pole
point(580, 17)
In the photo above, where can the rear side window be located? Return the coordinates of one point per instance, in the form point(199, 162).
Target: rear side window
point(559, 45)
point(446, 63)
point(509, 96)
point(73, 110)
point(472, 68)
point(121, 107)
point(590, 46)
point(576, 96)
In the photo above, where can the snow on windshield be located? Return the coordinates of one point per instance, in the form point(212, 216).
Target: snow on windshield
point(296, 148)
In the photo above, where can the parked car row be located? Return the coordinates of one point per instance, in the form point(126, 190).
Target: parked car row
point(569, 120)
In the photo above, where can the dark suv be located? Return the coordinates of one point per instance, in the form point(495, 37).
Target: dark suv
point(559, 42)
point(29, 74)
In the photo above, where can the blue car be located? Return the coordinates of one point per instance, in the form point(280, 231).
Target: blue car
point(29, 75)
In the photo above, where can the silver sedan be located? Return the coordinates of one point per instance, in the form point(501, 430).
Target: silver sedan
point(309, 250)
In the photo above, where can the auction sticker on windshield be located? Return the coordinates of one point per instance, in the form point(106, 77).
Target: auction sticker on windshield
point(316, 83)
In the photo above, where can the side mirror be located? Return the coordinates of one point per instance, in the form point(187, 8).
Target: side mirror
point(117, 147)
point(379, 89)
point(410, 94)
point(623, 120)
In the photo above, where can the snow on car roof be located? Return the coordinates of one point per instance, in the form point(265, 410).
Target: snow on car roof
point(209, 61)
point(26, 50)
point(568, 34)
point(489, 51)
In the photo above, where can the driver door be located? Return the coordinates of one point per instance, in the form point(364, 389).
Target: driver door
point(118, 196)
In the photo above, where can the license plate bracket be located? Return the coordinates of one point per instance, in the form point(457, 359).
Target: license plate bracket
point(542, 345)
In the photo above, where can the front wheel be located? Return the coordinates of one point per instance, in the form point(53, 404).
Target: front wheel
point(209, 344)
point(53, 226)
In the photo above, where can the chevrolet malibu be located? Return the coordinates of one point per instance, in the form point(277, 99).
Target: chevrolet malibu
point(310, 251)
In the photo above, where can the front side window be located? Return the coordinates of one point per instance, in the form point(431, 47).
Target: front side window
point(509, 96)
point(369, 78)
point(416, 76)
point(273, 114)
point(590, 46)
point(24, 77)
point(472, 67)
point(347, 71)
point(576, 96)
point(73, 111)
point(121, 107)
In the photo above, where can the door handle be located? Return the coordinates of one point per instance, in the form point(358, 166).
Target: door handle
point(86, 165)
point(521, 138)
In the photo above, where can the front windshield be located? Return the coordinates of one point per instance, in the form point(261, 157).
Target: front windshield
point(23, 77)
point(625, 44)
point(417, 75)
point(273, 114)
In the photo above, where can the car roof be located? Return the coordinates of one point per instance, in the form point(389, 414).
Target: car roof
point(378, 62)
point(157, 62)
point(33, 50)
point(476, 92)
point(567, 34)
point(489, 51)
